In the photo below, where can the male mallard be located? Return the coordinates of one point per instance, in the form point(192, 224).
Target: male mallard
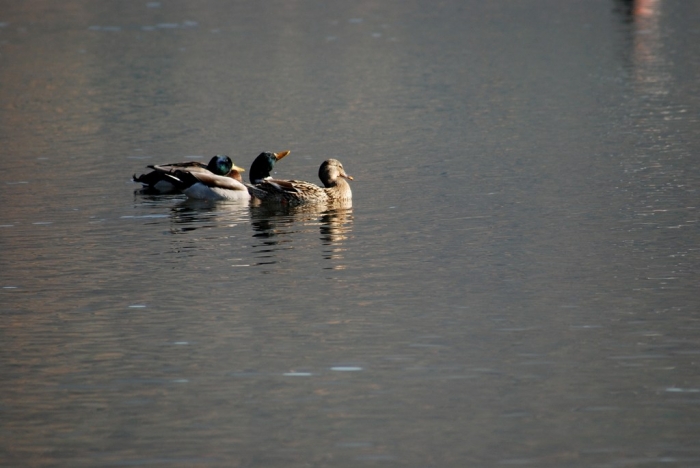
point(297, 192)
point(205, 185)
point(156, 180)
point(263, 164)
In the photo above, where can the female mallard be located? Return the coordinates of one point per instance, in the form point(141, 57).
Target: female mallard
point(297, 192)
point(157, 182)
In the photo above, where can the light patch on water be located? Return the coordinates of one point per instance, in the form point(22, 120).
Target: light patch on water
point(297, 374)
point(144, 216)
point(682, 390)
point(137, 306)
point(640, 356)
point(43, 223)
point(167, 25)
point(180, 380)
point(9, 287)
point(153, 5)
point(346, 368)
point(6, 225)
point(181, 343)
point(19, 182)
point(241, 265)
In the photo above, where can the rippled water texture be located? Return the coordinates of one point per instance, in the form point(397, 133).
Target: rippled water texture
point(515, 283)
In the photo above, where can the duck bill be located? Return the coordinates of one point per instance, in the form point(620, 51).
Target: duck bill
point(347, 176)
point(236, 168)
point(279, 156)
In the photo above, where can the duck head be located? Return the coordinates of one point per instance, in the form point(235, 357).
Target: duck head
point(263, 164)
point(330, 171)
point(220, 165)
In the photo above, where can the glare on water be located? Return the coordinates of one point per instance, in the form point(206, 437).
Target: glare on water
point(514, 283)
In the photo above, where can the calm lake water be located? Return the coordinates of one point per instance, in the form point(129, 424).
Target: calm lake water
point(516, 283)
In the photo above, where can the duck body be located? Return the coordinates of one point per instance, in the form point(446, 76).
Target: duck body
point(158, 182)
point(208, 186)
point(297, 192)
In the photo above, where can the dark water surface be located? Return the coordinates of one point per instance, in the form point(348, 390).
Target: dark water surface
point(517, 282)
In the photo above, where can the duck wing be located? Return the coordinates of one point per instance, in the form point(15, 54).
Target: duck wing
point(190, 178)
point(191, 166)
point(283, 186)
point(288, 191)
point(160, 178)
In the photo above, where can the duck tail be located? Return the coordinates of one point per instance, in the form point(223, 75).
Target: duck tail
point(145, 179)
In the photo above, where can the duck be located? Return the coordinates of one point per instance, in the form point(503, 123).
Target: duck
point(263, 165)
point(157, 182)
point(296, 192)
point(205, 185)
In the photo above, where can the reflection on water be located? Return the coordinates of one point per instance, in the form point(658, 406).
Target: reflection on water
point(656, 172)
point(190, 215)
point(276, 228)
point(336, 226)
point(650, 68)
point(273, 226)
point(516, 283)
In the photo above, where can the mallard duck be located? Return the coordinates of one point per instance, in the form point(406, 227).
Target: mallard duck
point(205, 185)
point(297, 192)
point(263, 165)
point(156, 180)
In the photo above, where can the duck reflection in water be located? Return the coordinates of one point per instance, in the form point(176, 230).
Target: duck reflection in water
point(276, 227)
point(191, 214)
point(335, 229)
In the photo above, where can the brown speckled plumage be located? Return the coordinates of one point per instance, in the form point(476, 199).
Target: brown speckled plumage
point(296, 192)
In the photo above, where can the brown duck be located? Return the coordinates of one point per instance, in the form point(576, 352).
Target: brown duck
point(296, 192)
